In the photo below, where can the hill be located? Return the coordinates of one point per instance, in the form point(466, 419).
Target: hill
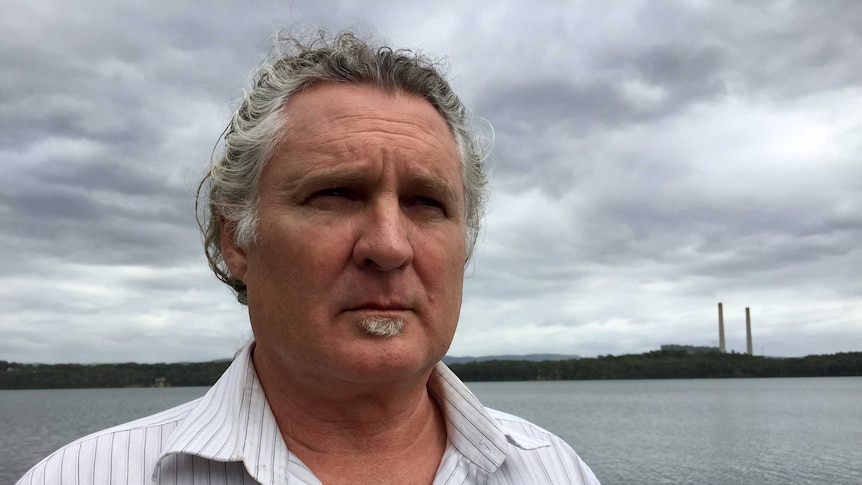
point(664, 365)
point(448, 360)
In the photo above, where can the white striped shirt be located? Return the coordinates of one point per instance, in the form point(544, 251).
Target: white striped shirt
point(230, 436)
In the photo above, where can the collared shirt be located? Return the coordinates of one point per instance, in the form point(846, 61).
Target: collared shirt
point(230, 436)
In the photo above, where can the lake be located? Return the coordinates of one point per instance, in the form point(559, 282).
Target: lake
point(741, 431)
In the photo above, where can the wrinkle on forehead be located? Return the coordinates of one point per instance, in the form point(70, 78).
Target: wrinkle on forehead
point(382, 129)
point(371, 126)
point(434, 125)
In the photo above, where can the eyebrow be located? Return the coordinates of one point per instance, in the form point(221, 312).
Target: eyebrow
point(323, 178)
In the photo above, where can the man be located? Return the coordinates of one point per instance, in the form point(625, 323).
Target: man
point(342, 212)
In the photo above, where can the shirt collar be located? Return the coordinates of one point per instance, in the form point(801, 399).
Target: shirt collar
point(470, 427)
point(234, 422)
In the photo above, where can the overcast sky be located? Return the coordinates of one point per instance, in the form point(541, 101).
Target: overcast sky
point(650, 160)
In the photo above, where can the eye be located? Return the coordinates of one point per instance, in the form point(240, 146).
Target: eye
point(332, 198)
point(427, 206)
point(427, 201)
point(333, 192)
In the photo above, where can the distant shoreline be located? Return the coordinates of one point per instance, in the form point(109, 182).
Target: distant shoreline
point(650, 365)
point(664, 365)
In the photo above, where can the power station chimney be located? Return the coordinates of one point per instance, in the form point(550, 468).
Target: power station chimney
point(748, 331)
point(721, 347)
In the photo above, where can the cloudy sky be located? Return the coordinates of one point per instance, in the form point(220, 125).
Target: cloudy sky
point(650, 160)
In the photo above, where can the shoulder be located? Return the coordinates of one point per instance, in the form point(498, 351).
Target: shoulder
point(536, 455)
point(126, 451)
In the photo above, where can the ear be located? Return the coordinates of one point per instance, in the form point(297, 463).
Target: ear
point(234, 256)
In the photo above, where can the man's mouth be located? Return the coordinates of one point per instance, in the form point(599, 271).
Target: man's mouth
point(381, 307)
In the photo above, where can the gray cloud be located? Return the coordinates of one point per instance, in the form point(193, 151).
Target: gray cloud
point(649, 161)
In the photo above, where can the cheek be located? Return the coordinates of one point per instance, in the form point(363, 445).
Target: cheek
point(448, 276)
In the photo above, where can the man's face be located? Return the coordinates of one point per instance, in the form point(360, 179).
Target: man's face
point(361, 215)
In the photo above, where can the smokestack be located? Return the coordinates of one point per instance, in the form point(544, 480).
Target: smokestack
point(721, 347)
point(748, 331)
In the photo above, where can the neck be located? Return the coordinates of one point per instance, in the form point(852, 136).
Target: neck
point(391, 432)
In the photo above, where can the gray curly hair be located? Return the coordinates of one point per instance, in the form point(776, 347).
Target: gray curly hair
point(230, 188)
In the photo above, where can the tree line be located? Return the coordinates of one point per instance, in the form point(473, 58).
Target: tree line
point(664, 365)
point(77, 376)
point(651, 365)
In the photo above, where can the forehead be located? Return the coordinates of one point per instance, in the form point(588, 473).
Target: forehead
point(359, 126)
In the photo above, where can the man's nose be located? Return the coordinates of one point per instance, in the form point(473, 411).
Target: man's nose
point(384, 238)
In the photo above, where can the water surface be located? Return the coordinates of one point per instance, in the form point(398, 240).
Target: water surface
point(700, 431)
